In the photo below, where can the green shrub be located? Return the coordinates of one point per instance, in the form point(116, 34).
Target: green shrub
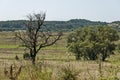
point(26, 56)
point(16, 57)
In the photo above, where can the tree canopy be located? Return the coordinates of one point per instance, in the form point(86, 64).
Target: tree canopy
point(90, 42)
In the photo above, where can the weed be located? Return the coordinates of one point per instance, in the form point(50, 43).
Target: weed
point(12, 74)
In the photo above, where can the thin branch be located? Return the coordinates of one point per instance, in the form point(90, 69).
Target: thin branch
point(46, 43)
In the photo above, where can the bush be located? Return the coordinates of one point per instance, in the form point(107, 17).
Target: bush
point(16, 57)
point(68, 72)
point(26, 56)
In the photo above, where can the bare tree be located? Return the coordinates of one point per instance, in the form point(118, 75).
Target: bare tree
point(34, 37)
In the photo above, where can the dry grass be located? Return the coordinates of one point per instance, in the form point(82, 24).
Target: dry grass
point(52, 60)
point(50, 70)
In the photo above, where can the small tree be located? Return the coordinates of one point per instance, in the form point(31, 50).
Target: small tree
point(36, 35)
point(89, 42)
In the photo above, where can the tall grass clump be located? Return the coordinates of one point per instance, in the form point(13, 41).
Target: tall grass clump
point(13, 72)
point(37, 72)
point(67, 72)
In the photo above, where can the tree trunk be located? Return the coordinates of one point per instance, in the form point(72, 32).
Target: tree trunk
point(33, 60)
point(32, 56)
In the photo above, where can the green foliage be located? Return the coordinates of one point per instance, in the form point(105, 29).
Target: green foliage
point(26, 56)
point(118, 47)
point(89, 42)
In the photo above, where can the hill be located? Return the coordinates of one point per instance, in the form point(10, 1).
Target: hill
point(115, 24)
point(51, 25)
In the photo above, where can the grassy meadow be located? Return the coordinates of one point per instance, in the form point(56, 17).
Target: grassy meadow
point(53, 63)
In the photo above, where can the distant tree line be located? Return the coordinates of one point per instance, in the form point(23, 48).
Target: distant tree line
point(50, 25)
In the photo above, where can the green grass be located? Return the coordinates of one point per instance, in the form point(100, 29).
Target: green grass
point(46, 48)
point(55, 48)
point(8, 46)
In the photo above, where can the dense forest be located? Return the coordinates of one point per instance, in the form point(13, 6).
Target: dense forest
point(55, 25)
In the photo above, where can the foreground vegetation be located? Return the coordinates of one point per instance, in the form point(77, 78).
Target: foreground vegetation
point(54, 63)
point(60, 70)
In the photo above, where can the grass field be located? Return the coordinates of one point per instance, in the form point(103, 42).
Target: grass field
point(53, 58)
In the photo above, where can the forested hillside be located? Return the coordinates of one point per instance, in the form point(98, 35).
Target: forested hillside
point(51, 25)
